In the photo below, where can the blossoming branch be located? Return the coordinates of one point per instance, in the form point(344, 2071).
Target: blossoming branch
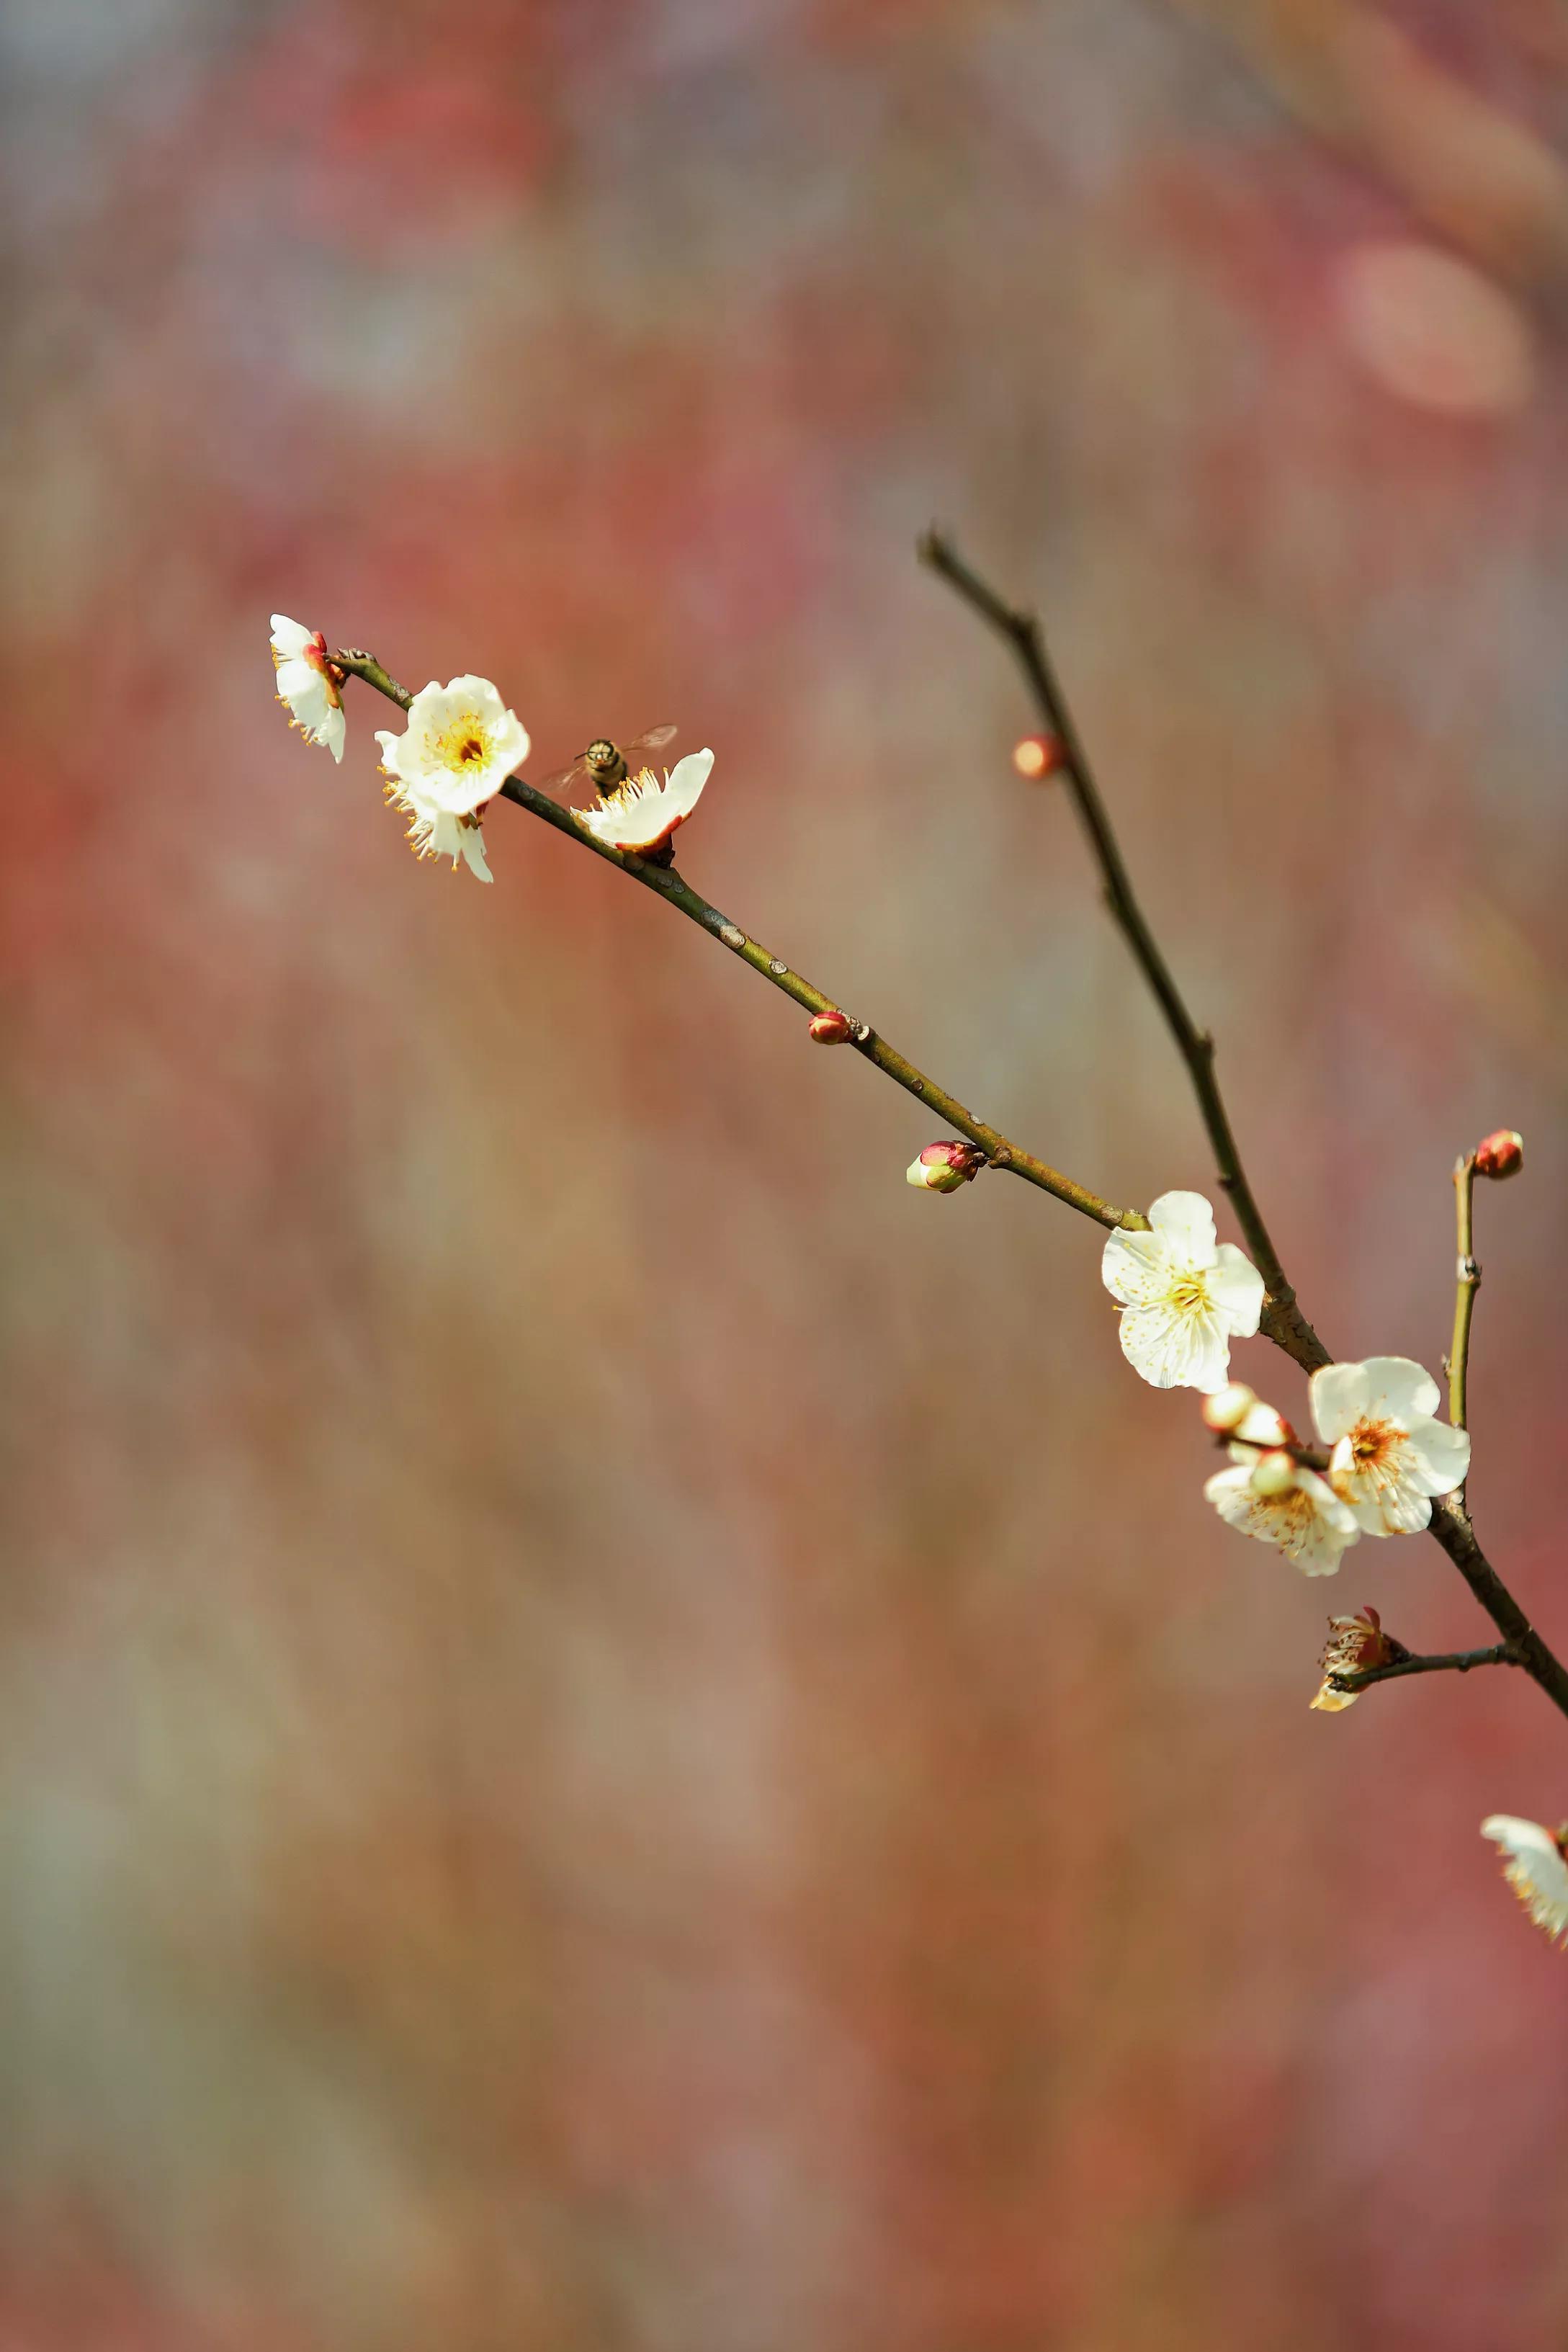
point(1383, 1464)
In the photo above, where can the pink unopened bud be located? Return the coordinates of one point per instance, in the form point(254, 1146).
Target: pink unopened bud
point(1036, 757)
point(833, 1028)
point(1501, 1155)
point(943, 1167)
point(1228, 1408)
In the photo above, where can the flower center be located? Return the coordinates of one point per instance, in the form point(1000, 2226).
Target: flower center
point(1375, 1447)
point(1190, 1295)
point(465, 745)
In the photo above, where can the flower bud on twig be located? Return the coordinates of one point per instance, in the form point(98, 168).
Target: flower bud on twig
point(1353, 1644)
point(1036, 757)
point(943, 1167)
point(1273, 1473)
point(1229, 1407)
point(833, 1028)
point(1500, 1154)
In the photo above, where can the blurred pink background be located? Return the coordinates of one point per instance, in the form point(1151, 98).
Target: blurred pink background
point(616, 1730)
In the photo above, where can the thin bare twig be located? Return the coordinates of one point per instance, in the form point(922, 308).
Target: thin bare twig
point(666, 884)
point(1469, 1281)
point(1283, 1319)
point(1458, 1661)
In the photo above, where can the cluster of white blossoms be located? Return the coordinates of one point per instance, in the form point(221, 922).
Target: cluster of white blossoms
point(1184, 1296)
point(1381, 1459)
point(458, 748)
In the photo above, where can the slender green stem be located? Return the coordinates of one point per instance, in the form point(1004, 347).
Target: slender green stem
point(1283, 1320)
point(669, 886)
point(1469, 1281)
point(1458, 1661)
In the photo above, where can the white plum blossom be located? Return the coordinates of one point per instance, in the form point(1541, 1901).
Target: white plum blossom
point(305, 686)
point(1184, 1296)
point(642, 814)
point(1390, 1455)
point(1269, 1496)
point(459, 746)
point(1534, 1868)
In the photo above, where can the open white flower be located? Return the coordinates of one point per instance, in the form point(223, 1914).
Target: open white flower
point(459, 746)
point(1390, 1455)
point(1277, 1500)
point(1534, 1868)
point(642, 814)
point(1184, 1296)
point(305, 687)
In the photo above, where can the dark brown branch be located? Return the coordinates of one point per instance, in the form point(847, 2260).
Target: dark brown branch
point(666, 884)
point(1458, 1661)
point(1283, 1318)
point(1283, 1321)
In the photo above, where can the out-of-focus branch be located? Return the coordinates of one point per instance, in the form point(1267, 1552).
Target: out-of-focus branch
point(1283, 1321)
point(666, 884)
point(1283, 1318)
point(1458, 1661)
point(1469, 1281)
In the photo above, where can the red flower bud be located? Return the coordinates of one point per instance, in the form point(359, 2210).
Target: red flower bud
point(1036, 757)
point(943, 1167)
point(833, 1028)
point(1500, 1155)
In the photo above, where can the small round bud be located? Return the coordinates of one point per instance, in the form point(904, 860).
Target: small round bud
point(943, 1167)
point(833, 1028)
point(1501, 1155)
point(1275, 1474)
point(1228, 1408)
point(1036, 757)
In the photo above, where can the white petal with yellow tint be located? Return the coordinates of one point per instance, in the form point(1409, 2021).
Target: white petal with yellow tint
point(460, 745)
point(1390, 1456)
point(1184, 1296)
point(641, 814)
point(1534, 1868)
point(1307, 1522)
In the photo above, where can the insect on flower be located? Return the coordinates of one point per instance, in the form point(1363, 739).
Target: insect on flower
point(607, 765)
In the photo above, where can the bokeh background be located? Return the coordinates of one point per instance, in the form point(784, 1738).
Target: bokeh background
point(616, 1731)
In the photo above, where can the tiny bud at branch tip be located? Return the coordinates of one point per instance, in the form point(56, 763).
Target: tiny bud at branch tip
point(1036, 757)
point(1500, 1154)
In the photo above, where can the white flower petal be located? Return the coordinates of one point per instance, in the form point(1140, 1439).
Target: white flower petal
point(1439, 1457)
point(685, 780)
point(1135, 1267)
point(1339, 1395)
point(1236, 1287)
point(1307, 1523)
point(1261, 1425)
point(1185, 1222)
point(1400, 1390)
point(331, 731)
point(1534, 1868)
point(471, 841)
point(1175, 1351)
point(287, 638)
